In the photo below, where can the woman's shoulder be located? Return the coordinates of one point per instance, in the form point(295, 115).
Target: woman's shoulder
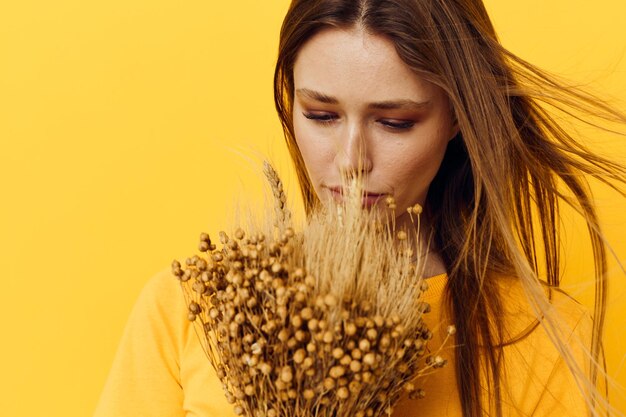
point(159, 310)
point(538, 380)
point(161, 298)
point(522, 315)
point(162, 285)
point(516, 296)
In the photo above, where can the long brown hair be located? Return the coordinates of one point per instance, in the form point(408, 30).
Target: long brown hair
point(505, 173)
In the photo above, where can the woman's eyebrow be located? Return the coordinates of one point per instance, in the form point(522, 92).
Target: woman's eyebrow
point(399, 104)
point(317, 96)
point(380, 105)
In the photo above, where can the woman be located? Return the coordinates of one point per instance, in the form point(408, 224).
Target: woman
point(420, 98)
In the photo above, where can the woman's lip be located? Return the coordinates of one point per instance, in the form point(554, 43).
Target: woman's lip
point(339, 190)
point(368, 200)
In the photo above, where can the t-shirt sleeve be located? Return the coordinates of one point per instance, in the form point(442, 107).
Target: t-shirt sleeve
point(144, 380)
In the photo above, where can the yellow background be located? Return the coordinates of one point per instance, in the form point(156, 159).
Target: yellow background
point(125, 126)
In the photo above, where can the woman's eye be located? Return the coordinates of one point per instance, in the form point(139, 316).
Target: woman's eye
point(322, 118)
point(404, 125)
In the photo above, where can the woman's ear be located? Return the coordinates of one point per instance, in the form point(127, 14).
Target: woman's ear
point(455, 132)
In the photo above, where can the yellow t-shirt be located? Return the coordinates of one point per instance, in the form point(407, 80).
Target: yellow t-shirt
point(160, 369)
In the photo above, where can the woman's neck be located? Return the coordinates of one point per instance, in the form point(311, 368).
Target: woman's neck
point(419, 238)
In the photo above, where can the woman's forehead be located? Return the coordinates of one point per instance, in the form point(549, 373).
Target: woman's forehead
point(353, 64)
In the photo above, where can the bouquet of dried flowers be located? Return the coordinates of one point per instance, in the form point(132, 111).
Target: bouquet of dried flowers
point(322, 322)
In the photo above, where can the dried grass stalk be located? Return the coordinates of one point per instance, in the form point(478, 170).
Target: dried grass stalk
point(322, 322)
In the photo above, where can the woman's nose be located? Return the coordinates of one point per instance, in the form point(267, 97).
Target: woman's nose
point(352, 156)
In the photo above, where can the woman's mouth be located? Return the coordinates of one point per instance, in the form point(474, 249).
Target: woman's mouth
point(368, 199)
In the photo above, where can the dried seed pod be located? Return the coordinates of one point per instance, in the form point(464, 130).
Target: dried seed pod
point(195, 308)
point(296, 321)
point(276, 268)
point(239, 394)
point(281, 386)
point(369, 359)
point(186, 276)
point(417, 394)
point(265, 368)
point(300, 297)
point(356, 354)
point(384, 342)
point(439, 362)
point(201, 264)
point(283, 335)
point(299, 356)
point(350, 329)
point(307, 363)
point(371, 334)
point(306, 313)
point(330, 300)
point(286, 374)
point(313, 325)
point(338, 353)
point(329, 383)
point(301, 336)
point(364, 345)
point(337, 372)
point(309, 281)
point(308, 394)
point(354, 386)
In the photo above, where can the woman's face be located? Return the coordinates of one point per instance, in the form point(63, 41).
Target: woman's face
point(358, 108)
